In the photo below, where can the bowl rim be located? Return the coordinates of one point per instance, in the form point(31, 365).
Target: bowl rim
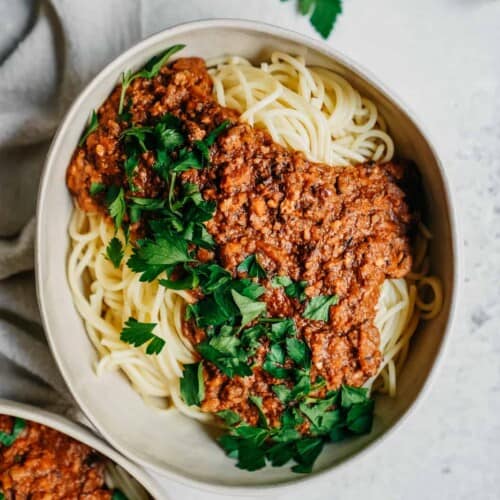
point(84, 435)
point(455, 232)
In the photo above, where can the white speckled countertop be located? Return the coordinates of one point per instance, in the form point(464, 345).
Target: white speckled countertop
point(442, 57)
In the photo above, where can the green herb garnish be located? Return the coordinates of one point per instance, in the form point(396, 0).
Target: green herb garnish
point(115, 198)
point(137, 334)
point(114, 252)
point(332, 418)
point(318, 307)
point(96, 188)
point(294, 289)
point(152, 257)
point(91, 127)
point(324, 14)
point(249, 308)
point(8, 439)
point(252, 267)
point(192, 384)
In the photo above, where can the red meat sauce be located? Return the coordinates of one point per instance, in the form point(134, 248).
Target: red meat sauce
point(344, 230)
point(44, 464)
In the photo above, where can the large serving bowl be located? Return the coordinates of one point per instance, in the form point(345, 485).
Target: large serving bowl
point(169, 442)
point(83, 435)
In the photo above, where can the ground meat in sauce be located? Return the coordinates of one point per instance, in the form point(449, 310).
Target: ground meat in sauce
point(44, 464)
point(343, 229)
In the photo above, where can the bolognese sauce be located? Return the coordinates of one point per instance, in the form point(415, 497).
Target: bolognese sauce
point(42, 463)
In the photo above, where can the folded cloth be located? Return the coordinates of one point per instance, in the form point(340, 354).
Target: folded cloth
point(48, 51)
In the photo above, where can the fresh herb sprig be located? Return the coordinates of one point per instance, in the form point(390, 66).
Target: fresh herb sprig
point(323, 14)
point(114, 252)
point(342, 413)
point(138, 334)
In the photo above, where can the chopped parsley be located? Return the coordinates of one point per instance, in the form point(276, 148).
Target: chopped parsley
point(91, 127)
point(114, 252)
point(96, 188)
point(294, 289)
point(8, 439)
point(138, 334)
point(333, 418)
point(318, 307)
point(249, 308)
point(252, 267)
point(151, 257)
point(324, 14)
point(192, 385)
point(115, 197)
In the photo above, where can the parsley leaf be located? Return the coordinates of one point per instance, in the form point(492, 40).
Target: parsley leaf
point(250, 457)
point(280, 453)
point(273, 364)
point(294, 289)
point(308, 450)
point(214, 134)
point(280, 327)
point(249, 308)
point(149, 204)
point(114, 252)
point(324, 14)
point(92, 127)
point(252, 267)
point(257, 401)
point(116, 205)
point(192, 384)
point(137, 334)
point(96, 188)
point(230, 417)
point(153, 66)
point(283, 392)
point(189, 282)
point(360, 417)
point(151, 257)
point(298, 351)
point(227, 363)
point(318, 307)
point(8, 439)
point(353, 395)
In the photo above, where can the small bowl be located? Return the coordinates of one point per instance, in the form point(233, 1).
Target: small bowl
point(171, 443)
point(83, 435)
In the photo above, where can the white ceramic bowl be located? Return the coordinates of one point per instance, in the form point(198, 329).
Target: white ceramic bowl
point(171, 443)
point(83, 435)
